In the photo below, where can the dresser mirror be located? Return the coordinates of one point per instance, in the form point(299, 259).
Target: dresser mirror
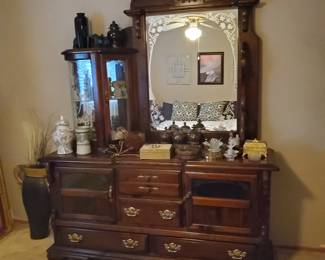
point(213, 77)
point(192, 69)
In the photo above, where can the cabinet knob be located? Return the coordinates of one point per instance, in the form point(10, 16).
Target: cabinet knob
point(75, 238)
point(172, 247)
point(130, 243)
point(167, 214)
point(237, 254)
point(131, 212)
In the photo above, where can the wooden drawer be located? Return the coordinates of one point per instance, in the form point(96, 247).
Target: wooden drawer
point(145, 212)
point(149, 175)
point(149, 189)
point(101, 240)
point(198, 249)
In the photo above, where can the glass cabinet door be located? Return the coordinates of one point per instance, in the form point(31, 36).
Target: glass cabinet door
point(116, 94)
point(222, 202)
point(82, 93)
point(86, 193)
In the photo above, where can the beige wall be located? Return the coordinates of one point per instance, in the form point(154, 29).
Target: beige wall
point(34, 76)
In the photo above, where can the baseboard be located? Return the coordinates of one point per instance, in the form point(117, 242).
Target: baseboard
point(301, 248)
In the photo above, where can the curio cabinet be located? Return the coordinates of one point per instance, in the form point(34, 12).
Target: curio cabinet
point(103, 90)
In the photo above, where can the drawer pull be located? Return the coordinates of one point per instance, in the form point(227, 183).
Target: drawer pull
point(130, 243)
point(172, 247)
point(237, 254)
point(75, 238)
point(144, 188)
point(148, 189)
point(167, 214)
point(147, 177)
point(110, 193)
point(131, 211)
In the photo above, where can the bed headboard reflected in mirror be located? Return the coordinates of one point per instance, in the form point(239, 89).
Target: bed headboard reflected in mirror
point(193, 79)
point(214, 78)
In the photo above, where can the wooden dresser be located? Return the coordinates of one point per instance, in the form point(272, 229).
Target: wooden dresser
point(159, 209)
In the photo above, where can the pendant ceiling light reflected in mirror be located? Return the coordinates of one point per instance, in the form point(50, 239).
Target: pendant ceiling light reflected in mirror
point(193, 32)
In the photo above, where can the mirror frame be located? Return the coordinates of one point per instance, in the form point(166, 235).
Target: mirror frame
point(248, 59)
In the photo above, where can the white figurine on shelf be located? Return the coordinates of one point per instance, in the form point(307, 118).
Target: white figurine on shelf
point(231, 153)
point(213, 149)
point(62, 137)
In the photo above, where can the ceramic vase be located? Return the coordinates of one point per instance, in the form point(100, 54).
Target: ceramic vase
point(83, 143)
point(81, 30)
point(62, 137)
point(36, 201)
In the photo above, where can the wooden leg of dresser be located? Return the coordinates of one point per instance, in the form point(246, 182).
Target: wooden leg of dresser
point(265, 250)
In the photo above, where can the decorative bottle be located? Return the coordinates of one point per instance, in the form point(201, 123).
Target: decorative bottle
point(81, 29)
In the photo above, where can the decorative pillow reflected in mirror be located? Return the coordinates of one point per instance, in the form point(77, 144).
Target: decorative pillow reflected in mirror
point(230, 111)
point(184, 111)
point(212, 111)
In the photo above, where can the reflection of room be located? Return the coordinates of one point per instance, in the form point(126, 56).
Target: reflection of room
point(176, 76)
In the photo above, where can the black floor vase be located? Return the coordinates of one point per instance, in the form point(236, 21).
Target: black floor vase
point(36, 200)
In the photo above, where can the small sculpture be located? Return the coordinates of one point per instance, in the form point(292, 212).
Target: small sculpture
point(233, 142)
point(213, 149)
point(62, 137)
point(199, 125)
point(173, 127)
point(115, 35)
point(185, 128)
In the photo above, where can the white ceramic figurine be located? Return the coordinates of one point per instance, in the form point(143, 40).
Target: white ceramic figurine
point(62, 137)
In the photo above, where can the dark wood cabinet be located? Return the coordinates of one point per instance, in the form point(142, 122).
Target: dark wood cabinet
point(124, 208)
point(129, 208)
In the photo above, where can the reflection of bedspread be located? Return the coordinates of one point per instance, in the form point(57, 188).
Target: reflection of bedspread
point(223, 125)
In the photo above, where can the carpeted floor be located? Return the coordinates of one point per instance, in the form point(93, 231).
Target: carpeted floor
point(18, 246)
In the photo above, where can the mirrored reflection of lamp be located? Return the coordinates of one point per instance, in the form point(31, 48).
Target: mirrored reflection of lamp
point(193, 32)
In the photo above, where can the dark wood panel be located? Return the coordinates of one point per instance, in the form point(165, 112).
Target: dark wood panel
point(198, 249)
point(145, 212)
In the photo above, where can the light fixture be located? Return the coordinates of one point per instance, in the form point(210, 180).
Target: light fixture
point(193, 32)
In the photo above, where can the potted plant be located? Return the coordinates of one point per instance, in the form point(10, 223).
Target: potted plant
point(33, 177)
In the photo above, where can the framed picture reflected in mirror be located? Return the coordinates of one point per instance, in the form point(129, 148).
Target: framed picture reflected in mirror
point(210, 68)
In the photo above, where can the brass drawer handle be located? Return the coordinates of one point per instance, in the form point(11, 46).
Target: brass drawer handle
point(148, 189)
point(167, 214)
point(237, 254)
point(144, 188)
point(172, 247)
point(130, 243)
point(75, 238)
point(131, 212)
point(147, 177)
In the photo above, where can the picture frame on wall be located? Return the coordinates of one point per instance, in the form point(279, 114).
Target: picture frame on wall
point(179, 70)
point(210, 68)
